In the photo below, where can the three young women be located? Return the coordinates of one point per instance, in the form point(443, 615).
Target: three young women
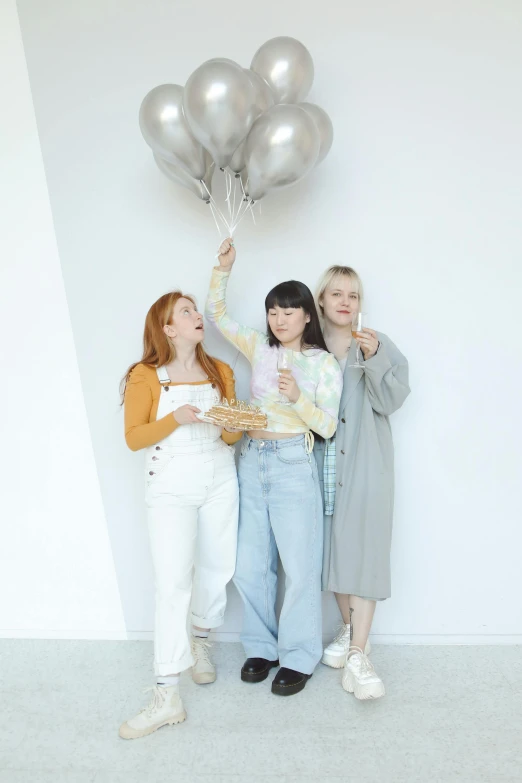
point(192, 491)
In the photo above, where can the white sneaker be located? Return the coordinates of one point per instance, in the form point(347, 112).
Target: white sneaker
point(336, 652)
point(360, 678)
point(203, 670)
point(165, 708)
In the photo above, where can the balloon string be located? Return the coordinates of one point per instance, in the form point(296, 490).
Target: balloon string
point(215, 219)
point(213, 202)
point(245, 198)
point(236, 221)
point(241, 215)
point(251, 203)
point(245, 205)
point(236, 212)
point(219, 213)
point(228, 184)
point(248, 207)
point(243, 188)
point(234, 202)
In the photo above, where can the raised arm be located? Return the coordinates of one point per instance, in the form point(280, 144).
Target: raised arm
point(243, 337)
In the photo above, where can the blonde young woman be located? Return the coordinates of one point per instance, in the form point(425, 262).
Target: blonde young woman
point(358, 476)
point(191, 496)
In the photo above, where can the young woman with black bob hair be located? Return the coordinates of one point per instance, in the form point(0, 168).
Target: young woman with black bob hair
point(298, 385)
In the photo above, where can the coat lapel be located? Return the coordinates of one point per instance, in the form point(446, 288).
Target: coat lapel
point(352, 377)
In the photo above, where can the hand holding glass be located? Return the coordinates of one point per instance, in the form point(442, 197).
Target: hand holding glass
point(358, 324)
point(284, 367)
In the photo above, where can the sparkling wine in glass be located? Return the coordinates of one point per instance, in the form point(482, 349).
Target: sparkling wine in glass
point(358, 324)
point(284, 367)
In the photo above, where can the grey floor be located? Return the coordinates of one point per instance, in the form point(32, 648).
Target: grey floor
point(450, 714)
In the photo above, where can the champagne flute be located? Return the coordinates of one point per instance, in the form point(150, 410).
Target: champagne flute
point(358, 324)
point(284, 367)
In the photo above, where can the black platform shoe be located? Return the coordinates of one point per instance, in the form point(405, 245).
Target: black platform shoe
point(256, 669)
point(287, 682)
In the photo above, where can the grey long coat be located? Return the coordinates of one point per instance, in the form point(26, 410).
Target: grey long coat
point(358, 536)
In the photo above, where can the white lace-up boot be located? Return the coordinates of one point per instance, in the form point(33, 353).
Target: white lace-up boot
point(336, 652)
point(203, 670)
point(165, 708)
point(360, 678)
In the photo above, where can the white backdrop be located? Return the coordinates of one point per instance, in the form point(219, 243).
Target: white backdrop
point(56, 568)
point(421, 193)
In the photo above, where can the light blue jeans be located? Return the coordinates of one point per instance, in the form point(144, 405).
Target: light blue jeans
point(280, 510)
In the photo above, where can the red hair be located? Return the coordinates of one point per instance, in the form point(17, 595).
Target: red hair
point(158, 350)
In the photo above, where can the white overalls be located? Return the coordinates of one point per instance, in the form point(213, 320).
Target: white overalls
point(192, 502)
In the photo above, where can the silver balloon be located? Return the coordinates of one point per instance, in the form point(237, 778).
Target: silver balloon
point(287, 66)
point(243, 176)
point(225, 60)
point(324, 126)
point(180, 176)
point(264, 97)
point(219, 104)
point(166, 130)
point(264, 100)
point(282, 147)
point(237, 161)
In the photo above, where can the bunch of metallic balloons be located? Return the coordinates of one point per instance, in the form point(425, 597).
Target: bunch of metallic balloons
point(248, 121)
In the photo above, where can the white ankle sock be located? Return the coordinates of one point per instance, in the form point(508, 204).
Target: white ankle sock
point(168, 681)
point(200, 634)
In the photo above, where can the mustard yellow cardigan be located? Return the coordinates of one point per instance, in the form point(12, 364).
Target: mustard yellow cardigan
point(142, 395)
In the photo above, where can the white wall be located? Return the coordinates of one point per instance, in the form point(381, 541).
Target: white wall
point(421, 193)
point(56, 570)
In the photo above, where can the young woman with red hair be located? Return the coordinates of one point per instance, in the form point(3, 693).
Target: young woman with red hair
point(191, 496)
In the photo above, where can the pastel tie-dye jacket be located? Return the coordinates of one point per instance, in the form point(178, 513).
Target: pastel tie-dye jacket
point(317, 372)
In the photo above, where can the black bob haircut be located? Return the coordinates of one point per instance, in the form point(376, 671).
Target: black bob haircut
point(294, 294)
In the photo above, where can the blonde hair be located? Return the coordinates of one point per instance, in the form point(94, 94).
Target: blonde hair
point(328, 278)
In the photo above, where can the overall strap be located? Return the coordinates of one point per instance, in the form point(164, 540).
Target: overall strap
point(163, 375)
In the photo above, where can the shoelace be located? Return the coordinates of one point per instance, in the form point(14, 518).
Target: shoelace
point(201, 650)
point(365, 665)
point(343, 634)
point(157, 701)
